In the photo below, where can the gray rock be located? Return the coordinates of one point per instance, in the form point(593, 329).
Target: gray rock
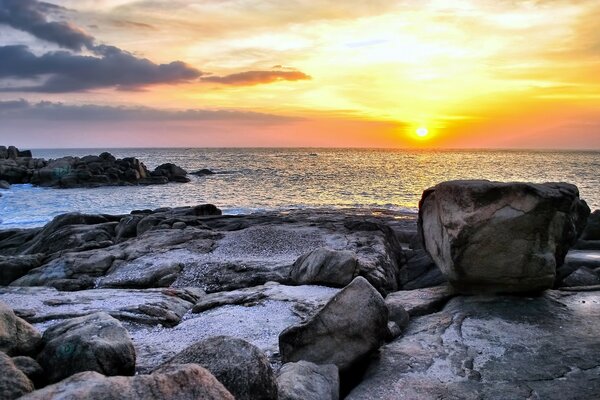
point(396, 311)
point(95, 342)
point(13, 382)
point(307, 381)
point(202, 172)
point(325, 266)
point(494, 348)
point(420, 301)
point(4, 185)
point(581, 277)
point(181, 382)
point(164, 307)
point(240, 366)
point(31, 369)
point(500, 237)
point(14, 267)
point(127, 227)
point(419, 271)
point(349, 327)
point(17, 337)
point(592, 228)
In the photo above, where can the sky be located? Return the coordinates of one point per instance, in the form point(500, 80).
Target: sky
point(300, 73)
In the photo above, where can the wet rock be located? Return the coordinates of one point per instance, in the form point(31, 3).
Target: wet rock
point(202, 172)
point(494, 347)
point(17, 337)
point(307, 381)
point(349, 327)
point(420, 301)
point(31, 369)
point(172, 172)
point(500, 237)
point(325, 266)
point(240, 366)
point(13, 382)
point(181, 382)
point(95, 342)
point(583, 276)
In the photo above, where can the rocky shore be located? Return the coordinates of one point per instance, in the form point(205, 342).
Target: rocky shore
point(90, 171)
point(491, 292)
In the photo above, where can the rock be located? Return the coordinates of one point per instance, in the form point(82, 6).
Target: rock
point(95, 342)
point(31, 369)
point(13, 382)
point(127, 227)
point(4, 184)
point(202, 172)
point(17, 337)
point(396, 312)
point(419, 271)
point(349, 327)
point(154, 307)
point(592, 228)
point(182, 382)
point(307, 381)
point(172, 172)
point(581, 277)
point(500, 237)
point(494, 348)
point(420, 301)
point(179, 225)
point(325, 266)
point(240, 366)
point(14, 267)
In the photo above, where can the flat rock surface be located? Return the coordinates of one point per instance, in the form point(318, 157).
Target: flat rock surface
point(502, 347)
point(148, 306)
point(421, 301)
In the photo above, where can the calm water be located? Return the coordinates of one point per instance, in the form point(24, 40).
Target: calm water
point(263, 179)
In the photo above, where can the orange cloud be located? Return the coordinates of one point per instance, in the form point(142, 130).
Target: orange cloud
point(249, 78)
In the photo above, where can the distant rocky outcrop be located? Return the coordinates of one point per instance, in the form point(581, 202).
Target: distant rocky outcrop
point(89, 171)
point(501, 237)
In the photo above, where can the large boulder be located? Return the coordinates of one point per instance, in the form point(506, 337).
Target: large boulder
point(240, 366)
point(500, 237)
point(14, 267)
point(181, 382)
point(592, 228)
point(307, 381)
point(17, 337)
point(13, 382)
point(95, 342)
point(349, 327)
point(172, 172)
point(325, 266)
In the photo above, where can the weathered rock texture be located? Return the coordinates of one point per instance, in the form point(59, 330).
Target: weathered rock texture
point(350, 326)
point(89, 171)
point(494, 348)
point(95, 342)
point(17, 337)
point(181, 382)
point(304, 380)
point(500, 237)
point(13, 382)
point(325, 266)
point(240, 366)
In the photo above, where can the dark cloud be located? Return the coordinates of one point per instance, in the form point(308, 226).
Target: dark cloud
point(257, 77)
point(31, 16)
point(45, 110)
point(62, 71)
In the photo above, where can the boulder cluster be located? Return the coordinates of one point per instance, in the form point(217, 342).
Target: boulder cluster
point(89, 171)
point(480, 297)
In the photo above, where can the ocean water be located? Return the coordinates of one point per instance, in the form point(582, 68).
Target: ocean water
point(249, 180)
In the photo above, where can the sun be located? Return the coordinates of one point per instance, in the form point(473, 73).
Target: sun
point(422, 132)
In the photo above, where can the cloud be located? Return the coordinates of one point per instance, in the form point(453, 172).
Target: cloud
point(30, 16)
point(13, 110)
point(248, 78)
point(61, 71)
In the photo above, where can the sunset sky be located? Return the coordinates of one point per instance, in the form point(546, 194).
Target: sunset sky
point(211, 73)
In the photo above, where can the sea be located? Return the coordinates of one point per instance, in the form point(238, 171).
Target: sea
point(262, 179)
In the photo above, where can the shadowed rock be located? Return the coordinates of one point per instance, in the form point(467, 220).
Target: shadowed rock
point(17, 337)
point(326, 267)
point(95, 342)
point(13, 382)
point(350, 326)
point(500, 237)
point(304, 380)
